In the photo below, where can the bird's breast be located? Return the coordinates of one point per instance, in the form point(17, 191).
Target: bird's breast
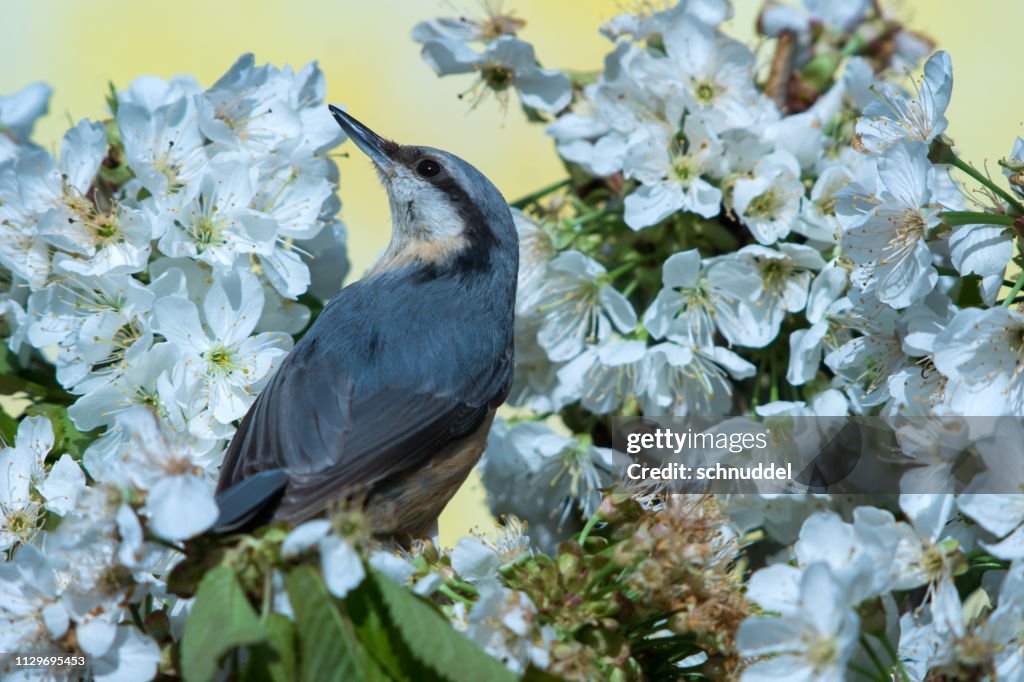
point(419, 250)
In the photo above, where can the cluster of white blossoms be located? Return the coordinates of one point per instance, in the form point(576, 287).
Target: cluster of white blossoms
point(157, 264)
point(780, 233)
point(783, 233)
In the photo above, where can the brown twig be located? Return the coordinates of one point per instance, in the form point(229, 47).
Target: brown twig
point(781, 71)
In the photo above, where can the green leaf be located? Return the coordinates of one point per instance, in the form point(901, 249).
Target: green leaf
point(66, 436)
point(11, 384)
point(202, 554)
point(719, 236)
point(112, 97)
point(967, 292)
point(274, 660)
point(221, 620)
point(8, 361)
point(534, 674)
point(316, 306)
point(432, 640)
point(365, 609)
point(8, 428)
point(328, 648)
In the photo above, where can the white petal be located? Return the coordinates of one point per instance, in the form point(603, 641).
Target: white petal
point(618, 308)
point(96, 636)
point(998, 514)
point(768, 634)
point(35, 433)
point(63, 485)
point(733, 363)
point(822, 597)
point(304, 536)
point(474, 560)
point(904, 171)
point(775, 588)
point(233, 305)
point(544, 89)
point(650, 204)
point(393, 566)
point(1010, 548)
point(805, 350)
point(19, 110)
point(446, 56)
point(180, 507)
point(55, 616)
point(178, 320)
point(681, 270)
point(130, 530)
point(342, 568)
point(81, 153)
point(133, 657)
point(981, 249)
point(928, 513)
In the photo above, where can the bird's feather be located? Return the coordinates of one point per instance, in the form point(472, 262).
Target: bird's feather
point(351, 406)
point(242, 503)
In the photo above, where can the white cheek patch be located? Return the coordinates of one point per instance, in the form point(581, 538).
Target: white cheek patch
point(420, 210)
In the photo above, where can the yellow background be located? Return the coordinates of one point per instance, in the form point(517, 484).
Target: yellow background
point(374, 69)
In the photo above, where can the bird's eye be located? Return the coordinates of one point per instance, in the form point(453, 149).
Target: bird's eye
point(428, 168)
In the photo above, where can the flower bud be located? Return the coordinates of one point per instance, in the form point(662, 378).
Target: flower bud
point(569, 564)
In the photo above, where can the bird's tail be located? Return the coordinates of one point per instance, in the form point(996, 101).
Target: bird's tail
point(250, 502)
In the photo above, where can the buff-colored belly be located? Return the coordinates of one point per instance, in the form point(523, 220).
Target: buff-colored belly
point(407, 506)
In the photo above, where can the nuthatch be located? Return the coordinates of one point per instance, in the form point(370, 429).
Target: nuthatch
point(390, 394)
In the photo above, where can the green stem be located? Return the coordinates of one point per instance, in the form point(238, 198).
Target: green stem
point(603, 573)
point(267, 603)
point(894, 655)
point(956, 218)
point(875, 660)
point(453, 595)
point(1018, 285)
point(986, 181)
point(774, 395)
point(525, 201)
point(853, 46)
point(136, 618)
point(862, 670)
point(624, 268)
point(463, 586)
point(591, 522)
point(588, 217)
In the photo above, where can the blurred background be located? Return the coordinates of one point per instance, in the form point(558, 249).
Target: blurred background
point(374, 68)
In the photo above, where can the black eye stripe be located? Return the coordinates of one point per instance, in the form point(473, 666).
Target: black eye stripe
point(428, 168)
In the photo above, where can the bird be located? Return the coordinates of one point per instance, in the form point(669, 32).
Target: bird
point(389, 396)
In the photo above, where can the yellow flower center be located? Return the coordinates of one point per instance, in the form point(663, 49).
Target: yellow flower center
point(762, 206)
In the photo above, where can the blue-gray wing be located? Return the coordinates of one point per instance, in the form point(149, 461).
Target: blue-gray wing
point(337, 430)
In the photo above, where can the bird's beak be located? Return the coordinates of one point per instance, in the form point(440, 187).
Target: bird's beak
point(372, 144)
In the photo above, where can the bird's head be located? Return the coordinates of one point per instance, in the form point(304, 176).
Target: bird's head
point(445, 213)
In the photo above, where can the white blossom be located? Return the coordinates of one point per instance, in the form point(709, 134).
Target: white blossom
point(979, 352)
point(220, 350)
point(577, 305)
point(768, 202)
point(671, 171)
point(505, 62)
point(897, 115)
point(813, 637)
